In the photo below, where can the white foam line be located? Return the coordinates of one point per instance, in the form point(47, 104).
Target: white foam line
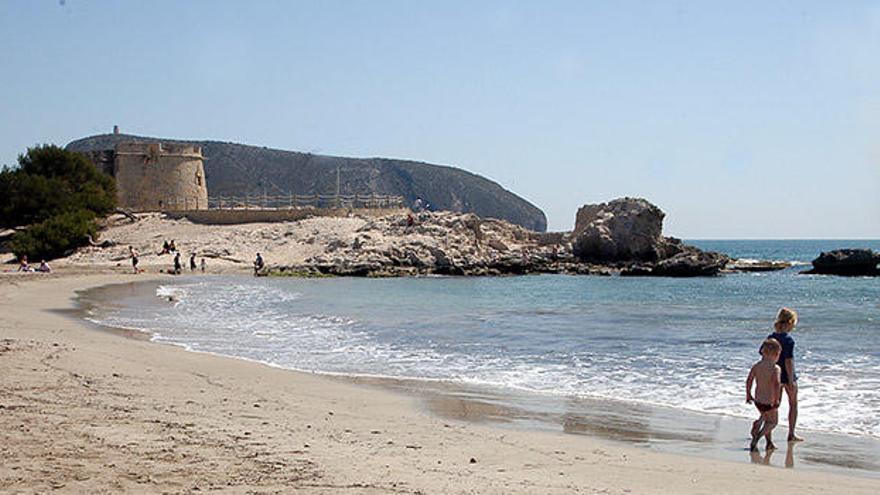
point(157, 338)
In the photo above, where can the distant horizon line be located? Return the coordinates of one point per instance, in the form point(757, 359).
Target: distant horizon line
point(781, 239)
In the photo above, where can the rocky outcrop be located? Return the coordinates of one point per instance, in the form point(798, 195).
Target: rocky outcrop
point(628, 232)
point(691, 263)
point(847, 262)
point(465, 244)
point(441, 243)
point(747, 265)
point(626, 229)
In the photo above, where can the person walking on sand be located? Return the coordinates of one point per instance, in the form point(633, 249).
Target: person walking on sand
point(177, 266)
point(765, 376)
point(785, 322)
point(133, 254)
point(192, 262)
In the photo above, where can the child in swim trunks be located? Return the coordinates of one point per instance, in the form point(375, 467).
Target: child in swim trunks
point(765, 376)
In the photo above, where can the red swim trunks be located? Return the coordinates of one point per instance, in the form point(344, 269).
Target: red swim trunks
point(765, 407)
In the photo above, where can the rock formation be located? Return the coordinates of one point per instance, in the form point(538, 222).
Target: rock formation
point(620, 236)
point(441, 243)
point(626, 229)
point(748, 265)
point(847, 262)
point(402, 244)
point(628, 232)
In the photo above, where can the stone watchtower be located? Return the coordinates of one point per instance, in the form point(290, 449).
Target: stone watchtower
point(159, 176)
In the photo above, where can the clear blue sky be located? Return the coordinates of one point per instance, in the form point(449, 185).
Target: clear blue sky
point(739, 119)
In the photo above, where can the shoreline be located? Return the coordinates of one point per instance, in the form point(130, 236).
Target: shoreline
point(648, 425)
point(86, 410)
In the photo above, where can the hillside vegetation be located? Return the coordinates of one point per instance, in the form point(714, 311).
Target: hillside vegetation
point(237, 169)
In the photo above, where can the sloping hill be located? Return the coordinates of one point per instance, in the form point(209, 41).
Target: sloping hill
point(238, 169)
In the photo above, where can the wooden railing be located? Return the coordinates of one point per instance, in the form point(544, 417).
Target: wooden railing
point(180, 204)
point(301, 201)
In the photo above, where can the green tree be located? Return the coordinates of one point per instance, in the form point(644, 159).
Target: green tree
point(57, 194)
point(50, 180)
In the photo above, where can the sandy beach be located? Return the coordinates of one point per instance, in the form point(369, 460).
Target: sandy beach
point(86, 410)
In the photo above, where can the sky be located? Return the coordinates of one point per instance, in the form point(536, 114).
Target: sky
point(739, 119)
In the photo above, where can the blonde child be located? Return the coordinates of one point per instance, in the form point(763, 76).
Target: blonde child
point(785, 322)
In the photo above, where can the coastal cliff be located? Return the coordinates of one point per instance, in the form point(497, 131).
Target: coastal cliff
point(233, 169)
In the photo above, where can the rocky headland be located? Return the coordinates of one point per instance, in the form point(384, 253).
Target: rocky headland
point(622, 236)
point(233, 169)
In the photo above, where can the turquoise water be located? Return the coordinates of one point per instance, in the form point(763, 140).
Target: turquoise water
point(800, 250)
point(679, 343)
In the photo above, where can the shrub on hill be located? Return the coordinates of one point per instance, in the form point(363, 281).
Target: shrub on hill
point(55, 236)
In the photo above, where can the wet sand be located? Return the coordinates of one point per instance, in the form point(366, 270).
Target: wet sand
point(89, 411)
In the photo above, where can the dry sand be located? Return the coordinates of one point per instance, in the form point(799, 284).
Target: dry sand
point(89, 411)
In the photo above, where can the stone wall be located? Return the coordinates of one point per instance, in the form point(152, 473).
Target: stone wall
point(159, 176)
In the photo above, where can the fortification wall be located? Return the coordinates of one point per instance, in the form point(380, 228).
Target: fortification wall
point(230, 217)
point(159, 176)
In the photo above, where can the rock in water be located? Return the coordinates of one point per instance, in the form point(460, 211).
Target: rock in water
point(629, 232)
point(691, 263)
point(847, 262)
point(625, 229)
point(747, 265)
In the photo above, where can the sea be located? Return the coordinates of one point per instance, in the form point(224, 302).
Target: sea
point(552, 347)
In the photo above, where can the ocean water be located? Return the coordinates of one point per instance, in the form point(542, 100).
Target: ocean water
point(678, 343)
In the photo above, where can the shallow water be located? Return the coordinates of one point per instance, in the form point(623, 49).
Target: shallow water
point(553, 341)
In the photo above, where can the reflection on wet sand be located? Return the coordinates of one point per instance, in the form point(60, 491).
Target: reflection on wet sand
point(764, 458)
point(758, 458)
point(656, 428)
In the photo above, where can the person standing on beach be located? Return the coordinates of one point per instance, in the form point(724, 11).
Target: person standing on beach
point(192, 262)
point(785, 322)
point(204, 264)
point(177, 266)
point(133, 254)
point(765, 376)
point(258, 264)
